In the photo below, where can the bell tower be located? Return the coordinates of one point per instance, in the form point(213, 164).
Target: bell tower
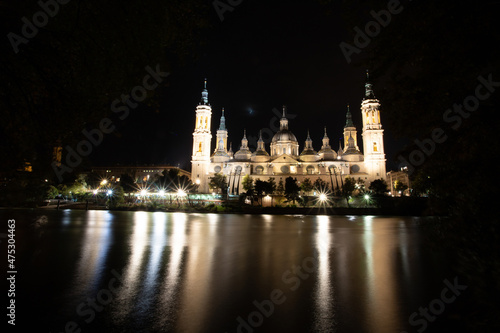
point(373, 134)
point(202, 138)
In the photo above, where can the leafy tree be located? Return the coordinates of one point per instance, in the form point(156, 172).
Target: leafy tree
point(360, 185)
point(291, 189)
point(320, 185)
point(271, 188)
point(399, 186)
point(307, 186)
point(247, 183)
point(348, 188)
point(127, 183)
point(280, 189)
point(260, 189)
point(218, 183)
point(378, 187)
point(421, 184)
point(51, 192)
point(117, 198)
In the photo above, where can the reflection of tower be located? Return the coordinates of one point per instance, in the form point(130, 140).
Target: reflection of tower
point(373, 134)
point(201, 142)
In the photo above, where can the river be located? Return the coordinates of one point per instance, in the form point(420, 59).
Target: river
point(104, 271)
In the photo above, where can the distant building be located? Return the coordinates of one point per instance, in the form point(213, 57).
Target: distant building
point(402, 176)
point(284, 158)
point(140, 174)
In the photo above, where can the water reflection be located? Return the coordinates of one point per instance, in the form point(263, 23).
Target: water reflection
point(169, 285)
point(200, 272)
point(324, 295)
point(132, 273)
point(97, 238)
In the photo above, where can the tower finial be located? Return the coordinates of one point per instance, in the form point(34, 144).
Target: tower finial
point(348, 118)
point(284, 111)
point(204, 94)
point(368, 87)
point(222, 125)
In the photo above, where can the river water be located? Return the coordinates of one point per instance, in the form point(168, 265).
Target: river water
point(102, 271)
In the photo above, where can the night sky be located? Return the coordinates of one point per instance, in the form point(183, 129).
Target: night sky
point(262, 56)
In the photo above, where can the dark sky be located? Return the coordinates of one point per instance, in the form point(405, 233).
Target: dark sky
point(262, 56)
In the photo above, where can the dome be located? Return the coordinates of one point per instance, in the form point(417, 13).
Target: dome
point(284, 135)
point(260, 153)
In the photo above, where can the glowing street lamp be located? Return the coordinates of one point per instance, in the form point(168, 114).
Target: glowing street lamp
point(109, 193)
point(322, 197)
point(161, 193)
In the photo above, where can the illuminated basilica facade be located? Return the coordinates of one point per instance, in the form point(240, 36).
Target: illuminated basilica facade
point(284, 157)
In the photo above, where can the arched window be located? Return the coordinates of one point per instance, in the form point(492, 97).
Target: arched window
point(375, 148)
point(259, 170)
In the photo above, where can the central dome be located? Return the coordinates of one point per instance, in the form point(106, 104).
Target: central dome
point(284, 135)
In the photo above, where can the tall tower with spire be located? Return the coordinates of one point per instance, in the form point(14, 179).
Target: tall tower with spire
point(373, 134)
point(202, 137)
point(222, 134)
point(350, 130)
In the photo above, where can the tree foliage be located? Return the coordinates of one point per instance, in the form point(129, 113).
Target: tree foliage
point(379, 187)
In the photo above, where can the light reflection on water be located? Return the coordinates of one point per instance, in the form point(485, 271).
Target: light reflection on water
point(201, 272)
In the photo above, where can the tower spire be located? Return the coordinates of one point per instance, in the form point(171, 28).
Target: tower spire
point(222, 125)
point(348, 118)
point(284, 121)
point(368, 87)
point(204, 94)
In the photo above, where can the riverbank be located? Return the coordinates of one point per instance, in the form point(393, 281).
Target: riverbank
point(385, 206)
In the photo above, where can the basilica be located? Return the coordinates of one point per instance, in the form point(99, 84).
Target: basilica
point(284, 158)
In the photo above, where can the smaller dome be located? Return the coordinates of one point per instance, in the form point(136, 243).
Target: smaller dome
point(307, 152)
point(260, 153)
